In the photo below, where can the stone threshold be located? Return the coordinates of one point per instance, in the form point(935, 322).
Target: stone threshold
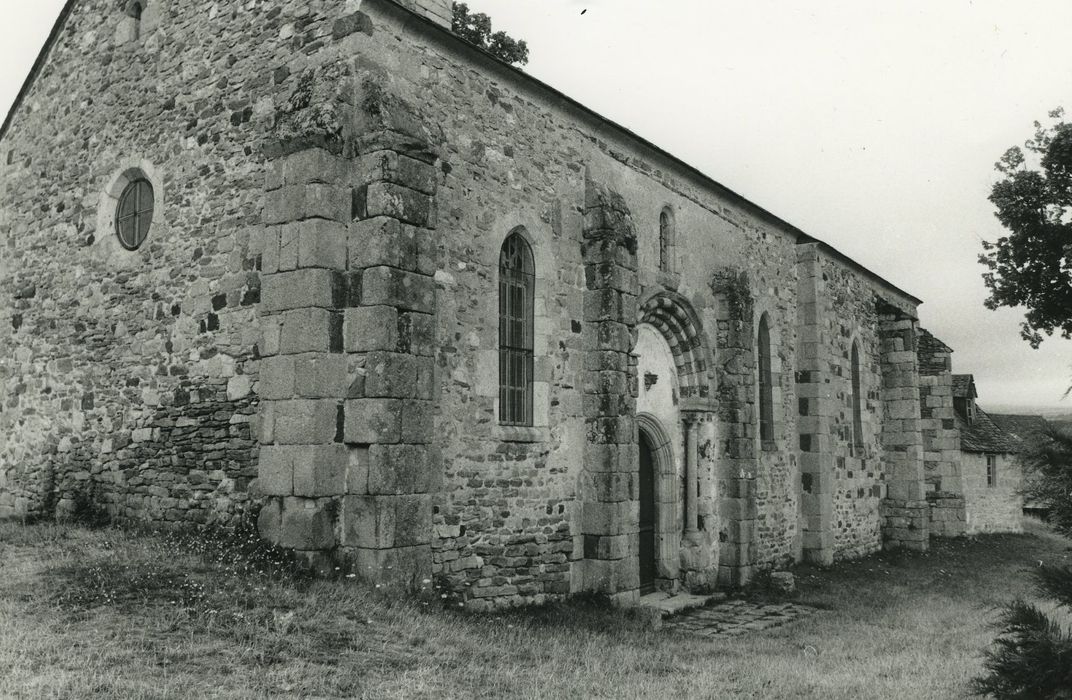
point(668, 605)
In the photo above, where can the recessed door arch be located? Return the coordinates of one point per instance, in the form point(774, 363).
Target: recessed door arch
point(659, 491)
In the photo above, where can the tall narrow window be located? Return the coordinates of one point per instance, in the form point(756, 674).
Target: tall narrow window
point(766, 385)
point(135, 10)
point(991, 470)
point(857, 418)
point(666, 239)
point(516, 298)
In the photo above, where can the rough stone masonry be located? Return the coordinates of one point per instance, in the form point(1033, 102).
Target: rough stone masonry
point(310, 332)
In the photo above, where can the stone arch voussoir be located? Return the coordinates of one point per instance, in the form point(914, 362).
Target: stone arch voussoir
point(673, 316)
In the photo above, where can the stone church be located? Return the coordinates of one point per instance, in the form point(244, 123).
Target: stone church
point(322, 263)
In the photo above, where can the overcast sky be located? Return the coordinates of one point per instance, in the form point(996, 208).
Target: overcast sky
point(871, 125)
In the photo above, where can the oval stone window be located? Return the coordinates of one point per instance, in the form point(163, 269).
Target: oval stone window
point(135, 214)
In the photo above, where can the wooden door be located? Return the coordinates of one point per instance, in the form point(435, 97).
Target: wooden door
point(647, 515)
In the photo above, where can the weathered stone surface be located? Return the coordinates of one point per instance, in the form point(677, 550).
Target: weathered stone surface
point(373, 421)
point(398, 288)
point(306, 524)
point(402, 469)
point(299, 289)
point(385, 522)
point(305, 421)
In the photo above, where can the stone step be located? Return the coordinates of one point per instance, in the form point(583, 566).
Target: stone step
point(668, 605)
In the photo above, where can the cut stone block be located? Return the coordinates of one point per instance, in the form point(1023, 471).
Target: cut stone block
point(370, 328)
point(402, 203)
point(320, 470)
point(403, 469)
point(308, 330)
point(305, 421)
point(384, 522)
point(402, 569)
point(307, 524)
point(383, 241)
point(275, 471)
point(318, 200)
point(393, 287)
point(299, 289)
point(321, 376)
point(370, 421)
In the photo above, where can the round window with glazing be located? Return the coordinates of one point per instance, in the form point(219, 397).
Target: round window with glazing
point(134, 214)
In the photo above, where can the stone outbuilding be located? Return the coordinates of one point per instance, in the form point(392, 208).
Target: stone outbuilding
point(325, 264)
point(1025, 430)
point(973, 474)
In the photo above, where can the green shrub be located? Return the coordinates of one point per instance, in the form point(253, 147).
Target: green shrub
point(1033, 656)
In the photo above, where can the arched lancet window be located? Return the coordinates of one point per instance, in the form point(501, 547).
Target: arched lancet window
point(666, 239)
point(857, 418)
point(766, 383)
point(517, 276)
point(135, 13)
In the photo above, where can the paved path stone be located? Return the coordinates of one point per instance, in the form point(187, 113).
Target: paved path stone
point(736, 617)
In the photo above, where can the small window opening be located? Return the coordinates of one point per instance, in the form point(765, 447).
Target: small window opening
point(991, 471)
point(134, 12)
point(666, 239)
point(857, 412)
point(766, 385)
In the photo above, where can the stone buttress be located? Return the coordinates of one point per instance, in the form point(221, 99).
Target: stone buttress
point(941, 438)
point(609, 481)
point(905, 513)
point(348, 310)
point(816, 408)
point(735, 348)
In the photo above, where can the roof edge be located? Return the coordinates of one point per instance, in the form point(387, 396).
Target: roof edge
point(39, 62)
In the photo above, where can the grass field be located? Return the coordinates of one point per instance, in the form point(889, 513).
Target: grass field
point(103, 614)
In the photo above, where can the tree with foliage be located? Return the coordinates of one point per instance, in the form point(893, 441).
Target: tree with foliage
point(1032, 265)
point(1047, 467)
point(476, 29)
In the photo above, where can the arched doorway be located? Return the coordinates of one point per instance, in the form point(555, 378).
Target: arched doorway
point(674, 400)
point(647, 551)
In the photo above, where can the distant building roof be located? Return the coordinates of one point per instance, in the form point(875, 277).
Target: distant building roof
point(1019, 427)
point(964, 386)
point(984, 435)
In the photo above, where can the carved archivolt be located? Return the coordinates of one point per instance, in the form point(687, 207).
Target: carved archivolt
point(675, 318)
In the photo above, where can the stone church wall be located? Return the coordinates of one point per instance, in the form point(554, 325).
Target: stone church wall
point(136, 378)
point(857, 474)
point(510, 506)
point(131, 377)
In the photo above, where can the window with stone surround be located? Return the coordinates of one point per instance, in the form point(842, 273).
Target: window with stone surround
point(134, 11)
point(766, 385)
point(991, 471)
point(134, 214)
point(140, 18)
point(666, 240)
point(857, 414)
point(517, 275)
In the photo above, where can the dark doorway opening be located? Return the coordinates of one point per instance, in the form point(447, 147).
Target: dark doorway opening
point(647, 515)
